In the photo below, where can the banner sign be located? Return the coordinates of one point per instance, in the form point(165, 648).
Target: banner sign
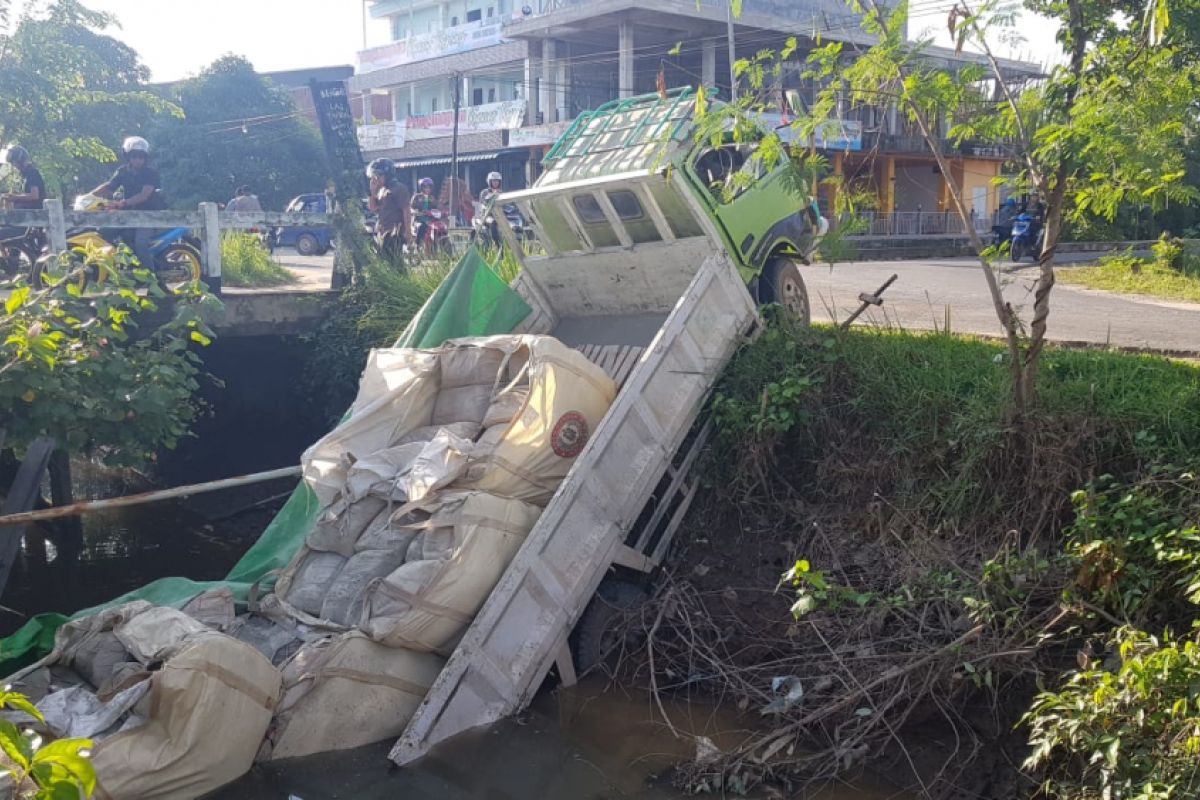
point(534, 135)
point(332, 103)
point(471, 119)
point(382, 136)
point(446, 42)
point(834, 134)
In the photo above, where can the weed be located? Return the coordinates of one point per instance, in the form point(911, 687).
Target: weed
point(1173, 273)
point(246, 262)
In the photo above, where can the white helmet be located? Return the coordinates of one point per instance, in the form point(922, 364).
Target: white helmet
point(135, 144)
point(495, 176)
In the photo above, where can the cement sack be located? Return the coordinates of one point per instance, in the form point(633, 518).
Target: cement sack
point(206, 712)
point(215, 608)
point(305, 587)
point(338, 528)
point(465, 430)
point(344, 601)
point(505, 406)
point(395, 397)
point(567, 397)
point(464, 365)
point(463, 404)
point(347, 691)
point(427, 605)
point(391, 531)
point(276, 640)
point(187, 721)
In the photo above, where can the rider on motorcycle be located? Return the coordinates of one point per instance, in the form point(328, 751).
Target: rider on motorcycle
point(33, 191)
point(423, 205)
point(390, 201)
point(142, 191)
point(1002, 230)
point(487, 199)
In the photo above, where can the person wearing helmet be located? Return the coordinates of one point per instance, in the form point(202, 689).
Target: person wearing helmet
point(1002, 230)
point(422, 206)
point(487, 199)
point(389, 200)
point(141, 190)
point(33, 190)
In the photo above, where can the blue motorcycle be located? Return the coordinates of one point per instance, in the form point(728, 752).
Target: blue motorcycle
point(1026, 237)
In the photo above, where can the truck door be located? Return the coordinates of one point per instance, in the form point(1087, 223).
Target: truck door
point(754, 209)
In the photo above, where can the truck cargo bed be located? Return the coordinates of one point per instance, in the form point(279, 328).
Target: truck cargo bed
point(618, 504)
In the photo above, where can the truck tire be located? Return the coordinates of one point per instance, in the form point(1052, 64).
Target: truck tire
point(782, 283)
point(308, 245)
point(595, 635)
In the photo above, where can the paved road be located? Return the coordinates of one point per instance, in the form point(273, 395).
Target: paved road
point(927, 287)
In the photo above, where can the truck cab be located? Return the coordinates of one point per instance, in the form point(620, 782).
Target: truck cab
point(632, 178)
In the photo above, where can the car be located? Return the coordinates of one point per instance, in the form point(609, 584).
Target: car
point(307, 241)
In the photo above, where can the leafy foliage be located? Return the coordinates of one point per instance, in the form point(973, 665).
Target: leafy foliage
point(108, 372)
point(58, 770)
point(1126, 731)
point(240, 129)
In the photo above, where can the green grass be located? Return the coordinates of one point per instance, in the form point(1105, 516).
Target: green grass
point(1117, 274)
point(246, 263)
point(933, 411)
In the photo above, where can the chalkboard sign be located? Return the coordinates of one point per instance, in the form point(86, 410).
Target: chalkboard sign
point(340, 134)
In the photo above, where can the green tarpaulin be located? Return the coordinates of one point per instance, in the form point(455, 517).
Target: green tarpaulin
point(472, 301)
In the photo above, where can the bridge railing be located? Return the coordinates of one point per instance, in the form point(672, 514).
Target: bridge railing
point(208, 221)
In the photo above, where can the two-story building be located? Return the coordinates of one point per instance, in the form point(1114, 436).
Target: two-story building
point(523, 69)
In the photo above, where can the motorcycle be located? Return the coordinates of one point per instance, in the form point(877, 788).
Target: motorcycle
point(486, 232)
point(19, 248)
point(176, 253)
point(437, 234)
point(1026, 237)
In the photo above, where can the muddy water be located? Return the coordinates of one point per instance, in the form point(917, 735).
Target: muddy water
point(583, 743)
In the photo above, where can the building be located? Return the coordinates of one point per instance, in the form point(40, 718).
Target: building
point(523, 69)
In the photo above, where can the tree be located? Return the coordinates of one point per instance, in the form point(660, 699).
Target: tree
point(239, 129)
point(69, 93)
point(1104, 129)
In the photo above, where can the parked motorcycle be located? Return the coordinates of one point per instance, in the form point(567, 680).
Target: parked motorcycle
point(176, 252)
point(1027, 233)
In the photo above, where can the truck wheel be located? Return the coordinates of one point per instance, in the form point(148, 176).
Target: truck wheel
point(598, 632)
point(782, 283)
point(307, 245)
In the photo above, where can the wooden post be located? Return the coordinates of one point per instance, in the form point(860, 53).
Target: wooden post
point(61, 494)
point(210, 238)
point(21, 497)
point(57, 232)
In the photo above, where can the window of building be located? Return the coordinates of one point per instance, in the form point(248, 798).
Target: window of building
point(474, 16)
point(491, 11)
point(492, 95)
point(477, 97)
point(433, 105)
point(399, 28)
point(453, 22)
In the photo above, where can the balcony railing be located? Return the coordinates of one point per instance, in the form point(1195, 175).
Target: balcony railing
point(917, 223)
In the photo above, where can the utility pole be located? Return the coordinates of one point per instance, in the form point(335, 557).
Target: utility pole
point(364, 23)
point(454, 146)
point(732, 58)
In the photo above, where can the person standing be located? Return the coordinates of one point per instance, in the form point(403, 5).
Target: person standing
point(141, 190)
point(243, 201)
point(389, 200)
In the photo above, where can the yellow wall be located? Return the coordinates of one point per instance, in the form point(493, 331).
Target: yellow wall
point(977, 174)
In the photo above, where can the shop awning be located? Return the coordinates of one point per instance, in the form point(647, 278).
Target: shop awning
point(521, 154)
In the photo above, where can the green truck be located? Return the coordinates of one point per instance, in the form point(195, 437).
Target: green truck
point(631, 177)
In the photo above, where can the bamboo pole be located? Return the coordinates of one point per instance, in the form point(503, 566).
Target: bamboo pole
point(88, 506)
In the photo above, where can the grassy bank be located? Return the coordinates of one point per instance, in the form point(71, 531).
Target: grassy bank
point(877, 531)
point(1126, 274)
